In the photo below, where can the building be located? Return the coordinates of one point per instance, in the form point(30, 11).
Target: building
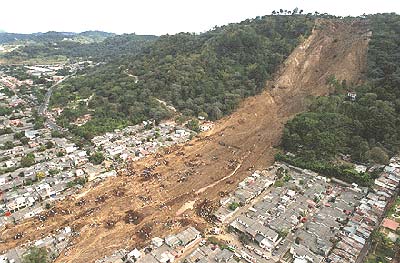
point(390, 224)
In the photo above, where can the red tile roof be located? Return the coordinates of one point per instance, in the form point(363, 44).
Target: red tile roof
point(388, 223)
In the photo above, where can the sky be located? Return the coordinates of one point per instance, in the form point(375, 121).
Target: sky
point(159, 17)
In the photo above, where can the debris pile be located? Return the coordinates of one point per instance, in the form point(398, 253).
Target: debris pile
point(19, 235)
point(206, 209)
point(148, 173)
point(119, 192)
point(144, 198)
point(145, 232)
point(232, 164)
point(133, 217)
point(100, 199)
point(109, 224)
point(81, 202)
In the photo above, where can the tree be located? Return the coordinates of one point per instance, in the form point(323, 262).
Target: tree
point(36, 255)
point(49, 144)
point(19, 135)
point(56, 134)
point(378, 155)
point(283, 232)
point(8, 145)
point(193, 125)
point(40, 175)
point(24, 140)
point(96, 158)
point(233, 206)
point(208, 73)
point(28, 160)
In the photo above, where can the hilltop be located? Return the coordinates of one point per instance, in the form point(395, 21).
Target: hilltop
point(52, 36)
point(63, 46)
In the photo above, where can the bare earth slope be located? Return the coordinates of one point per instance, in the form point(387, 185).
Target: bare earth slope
point(206, 167)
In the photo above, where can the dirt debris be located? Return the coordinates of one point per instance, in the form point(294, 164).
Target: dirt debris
point(81, 202)
point(206, 209)
point(100, 199)
point(119, 192)
point(144, 233)
point(133, 217)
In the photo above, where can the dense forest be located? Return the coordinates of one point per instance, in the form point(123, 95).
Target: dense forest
point(93, 45)
point(204, 74)
point(367, 128)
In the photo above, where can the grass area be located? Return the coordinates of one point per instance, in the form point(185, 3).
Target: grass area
point(391, 213)
point(35, 61)
point(382, 253)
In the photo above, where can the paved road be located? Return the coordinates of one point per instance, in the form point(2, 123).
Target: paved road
point(43, 107)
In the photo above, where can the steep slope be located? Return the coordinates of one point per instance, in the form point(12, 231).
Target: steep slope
point(213, 164)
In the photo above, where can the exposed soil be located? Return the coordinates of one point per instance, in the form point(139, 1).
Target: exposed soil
point(131, 209)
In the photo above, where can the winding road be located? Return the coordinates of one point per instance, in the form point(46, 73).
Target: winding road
point(42, 110)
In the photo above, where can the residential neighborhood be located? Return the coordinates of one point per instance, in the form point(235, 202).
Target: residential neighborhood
point(39, 165)
point(284, 214)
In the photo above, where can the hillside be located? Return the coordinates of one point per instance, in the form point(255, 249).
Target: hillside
point(214, 162)
point(206, 74)
point(93, 45)
point(364, 128)
point(92, 36)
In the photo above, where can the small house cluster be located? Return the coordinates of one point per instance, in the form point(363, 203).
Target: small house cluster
point(247, 190)
point(54, 245)
point(308, 218)
point(135, 142)
point(368, 215)
point(165, 250)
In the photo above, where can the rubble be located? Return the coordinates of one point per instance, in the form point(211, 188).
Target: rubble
point(133, 217)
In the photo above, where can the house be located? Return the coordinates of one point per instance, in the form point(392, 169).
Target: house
point(157, 242)
point(70, 148)
point(31, 134)
point(15, 123)
point(172, 241)
point(3, 179)
point(115, 150)
point(303, 254)
point(224, 256)
point(163, 254)
point(10, 163)
point(188, 236)
point(390, 224)
point(351, 95)
point(79, 172)
point(223, 213)
point(134, 254)
point(92, 172)
point(181, 133)
point(111, 173)
point(19, 203)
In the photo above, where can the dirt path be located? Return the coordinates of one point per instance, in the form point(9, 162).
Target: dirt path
point(201, 190)
point(238, 144)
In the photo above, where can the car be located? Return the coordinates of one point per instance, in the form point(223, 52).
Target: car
point(282, 242)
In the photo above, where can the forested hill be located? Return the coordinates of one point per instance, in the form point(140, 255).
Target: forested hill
point(10, 38)
point(94, 45)
point(206, 74)
point(366, 128)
